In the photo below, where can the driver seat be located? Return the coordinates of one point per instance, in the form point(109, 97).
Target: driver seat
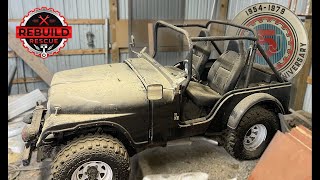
point(222, 77)
point(201, 52)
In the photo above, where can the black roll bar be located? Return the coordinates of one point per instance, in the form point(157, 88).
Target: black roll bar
point(222, 38)
point(190, 40)
point(232, 24)
point(190, 45)
point(269, 63)
point(177, 27)
point(173, 27)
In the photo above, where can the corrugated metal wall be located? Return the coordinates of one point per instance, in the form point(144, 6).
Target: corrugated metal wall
point(71, 9)
point(173, 10)
point(307, 103)
point(167, 9)
point(97, 9)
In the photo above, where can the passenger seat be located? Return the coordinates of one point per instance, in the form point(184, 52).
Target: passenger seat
point(222, 77)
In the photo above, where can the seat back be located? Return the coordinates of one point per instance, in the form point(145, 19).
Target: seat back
point(225, 71)
point(201, 52)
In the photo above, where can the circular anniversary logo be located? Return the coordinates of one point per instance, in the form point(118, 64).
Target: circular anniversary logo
point(281, 34)
point(43, 32)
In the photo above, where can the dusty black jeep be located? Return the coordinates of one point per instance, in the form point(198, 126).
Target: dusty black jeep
point(97, 117)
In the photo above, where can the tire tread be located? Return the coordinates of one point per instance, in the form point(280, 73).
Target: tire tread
point(232, 137)
point(100, 142)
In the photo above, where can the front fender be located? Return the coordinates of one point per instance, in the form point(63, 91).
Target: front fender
point(245, 104)
point(71, 122)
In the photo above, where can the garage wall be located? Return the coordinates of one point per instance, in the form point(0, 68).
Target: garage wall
point(172, 10)
point(168, 9)
point(71, 9)
point(97, 9)
point(307, 103)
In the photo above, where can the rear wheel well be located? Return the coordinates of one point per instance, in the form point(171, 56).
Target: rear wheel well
point(220, 124)
point(271, 106)
point(70, 135)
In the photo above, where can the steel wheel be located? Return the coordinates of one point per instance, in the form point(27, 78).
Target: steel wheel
point(254, 137)
point(93, 170)
point(253, 133)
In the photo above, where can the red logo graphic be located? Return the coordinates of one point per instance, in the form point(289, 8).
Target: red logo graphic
point(43, 32)
point(264, 38)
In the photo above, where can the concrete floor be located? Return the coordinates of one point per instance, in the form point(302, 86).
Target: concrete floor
point(200, 156)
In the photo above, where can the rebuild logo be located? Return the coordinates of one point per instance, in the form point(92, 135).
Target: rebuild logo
point(43, 32)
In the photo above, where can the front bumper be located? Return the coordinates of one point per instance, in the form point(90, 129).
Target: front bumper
point(30, 133)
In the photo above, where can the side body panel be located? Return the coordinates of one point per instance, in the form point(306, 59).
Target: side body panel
point(132, 125)
point(220, 115)
point(217, 119)
point(245, 104)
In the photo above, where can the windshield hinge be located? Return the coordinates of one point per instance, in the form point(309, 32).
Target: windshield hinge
point(176, 117)
point(57, 109)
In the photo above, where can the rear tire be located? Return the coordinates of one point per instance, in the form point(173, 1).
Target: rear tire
point(253, 134)
point(97, 155)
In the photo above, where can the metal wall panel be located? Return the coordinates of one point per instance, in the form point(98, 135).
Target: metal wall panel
point(167, 9)
point(173, 10)
point(14, 87)
point(203, 10)
point(99, 9)
point(124, 56)
point(170, 58)
point(71, 9)
point(307, 103)
point(23, 70)
point(123, 9)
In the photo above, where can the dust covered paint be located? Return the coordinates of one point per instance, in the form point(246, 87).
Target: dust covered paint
point(109, 88)
point(97, 90)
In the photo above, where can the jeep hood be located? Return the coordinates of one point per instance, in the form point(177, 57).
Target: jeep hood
point(109, 88)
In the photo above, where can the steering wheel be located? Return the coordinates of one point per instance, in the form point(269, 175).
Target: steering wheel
point(195, 74)
point(183, 65)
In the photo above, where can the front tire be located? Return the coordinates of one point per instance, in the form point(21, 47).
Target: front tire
point(101, 157)
point(253, 134)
